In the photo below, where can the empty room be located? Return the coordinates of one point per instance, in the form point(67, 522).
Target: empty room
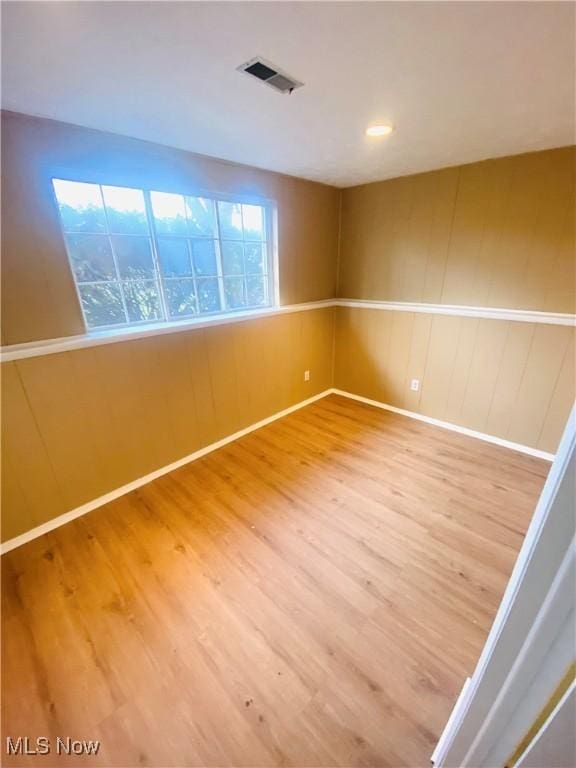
point(288, 377)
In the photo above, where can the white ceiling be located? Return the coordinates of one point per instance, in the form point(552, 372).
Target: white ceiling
point(462, 81)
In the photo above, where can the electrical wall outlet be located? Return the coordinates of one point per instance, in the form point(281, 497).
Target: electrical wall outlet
point(415, 385)
point(306, 375)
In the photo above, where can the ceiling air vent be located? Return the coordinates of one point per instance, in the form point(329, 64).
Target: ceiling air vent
point(269, 74)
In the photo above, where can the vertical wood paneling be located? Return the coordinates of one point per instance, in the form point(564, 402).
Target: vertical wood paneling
point(400, 246)
point(317, 348)
point(253, 354)
point(517, 231)
point(159, 442)
point(446, 187)
point(363, 341)
point(485, 270)
point(555, 210)
point(107, 439)
point(399, 355)
point(223, 377)
point(473, 220)
point(419, 344)
point(59, 409)
point(348, 370)
point(545, 359)
point(197, 347)
point(26, 454)
point(77, 425)
point(12, 497)
point(285, 359)
point(483, 373)
point(512, 380)
point(439, 366)
point(460, 379)
point(380, 338)
point(176, 385)
point(561, 402)
point(498, 233)
point(559, 289)
point(128, 378)
point(516, 349)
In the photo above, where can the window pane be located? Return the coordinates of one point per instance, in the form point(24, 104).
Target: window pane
point(253, 258)
point(91, 257)
point(210, 254)
point(169, 213)
point(234, 292)
point(80, 206)
point(253, 219)
point(204, 256)
point(201, 219)
point(125, 210)
point(174, 257)
point(142, 300)
point(102, 304)
point(134, 256)
point(180, 297)
point(230, 215)
point(232, 258)
point(256, 291)
point(208, 294)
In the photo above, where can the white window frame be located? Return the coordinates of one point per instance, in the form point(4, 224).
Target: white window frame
point(271, 248)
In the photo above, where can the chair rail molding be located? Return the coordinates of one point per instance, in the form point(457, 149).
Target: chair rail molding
point(114, 335)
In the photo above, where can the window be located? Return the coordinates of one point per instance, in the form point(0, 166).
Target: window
point(141, 256)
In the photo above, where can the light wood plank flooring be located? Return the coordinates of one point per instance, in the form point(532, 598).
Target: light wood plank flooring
point(313, 594)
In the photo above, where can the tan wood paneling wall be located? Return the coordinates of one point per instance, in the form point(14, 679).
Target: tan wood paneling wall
point(508, 379)
point(80, 424)
point(499, 233)
point(38, 296)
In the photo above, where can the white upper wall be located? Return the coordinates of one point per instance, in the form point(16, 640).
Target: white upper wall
point(462, 81)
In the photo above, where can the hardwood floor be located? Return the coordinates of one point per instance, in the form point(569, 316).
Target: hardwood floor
point(313, 594)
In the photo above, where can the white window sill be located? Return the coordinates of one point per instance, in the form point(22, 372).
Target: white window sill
point(96, 338)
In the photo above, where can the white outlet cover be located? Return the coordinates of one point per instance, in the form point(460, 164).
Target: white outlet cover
point(306, 375)
point(415, 385)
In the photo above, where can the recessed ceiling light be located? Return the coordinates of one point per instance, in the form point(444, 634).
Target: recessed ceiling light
point(379, 130)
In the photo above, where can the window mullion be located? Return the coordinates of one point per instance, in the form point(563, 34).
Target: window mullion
point(244, 281)
point(219, 266)
point(193, 272)
point(114, 259)
point(155, 257)
point(272, 266)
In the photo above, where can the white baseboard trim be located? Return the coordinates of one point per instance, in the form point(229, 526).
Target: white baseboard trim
point(56, 522)
point(452, 427)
